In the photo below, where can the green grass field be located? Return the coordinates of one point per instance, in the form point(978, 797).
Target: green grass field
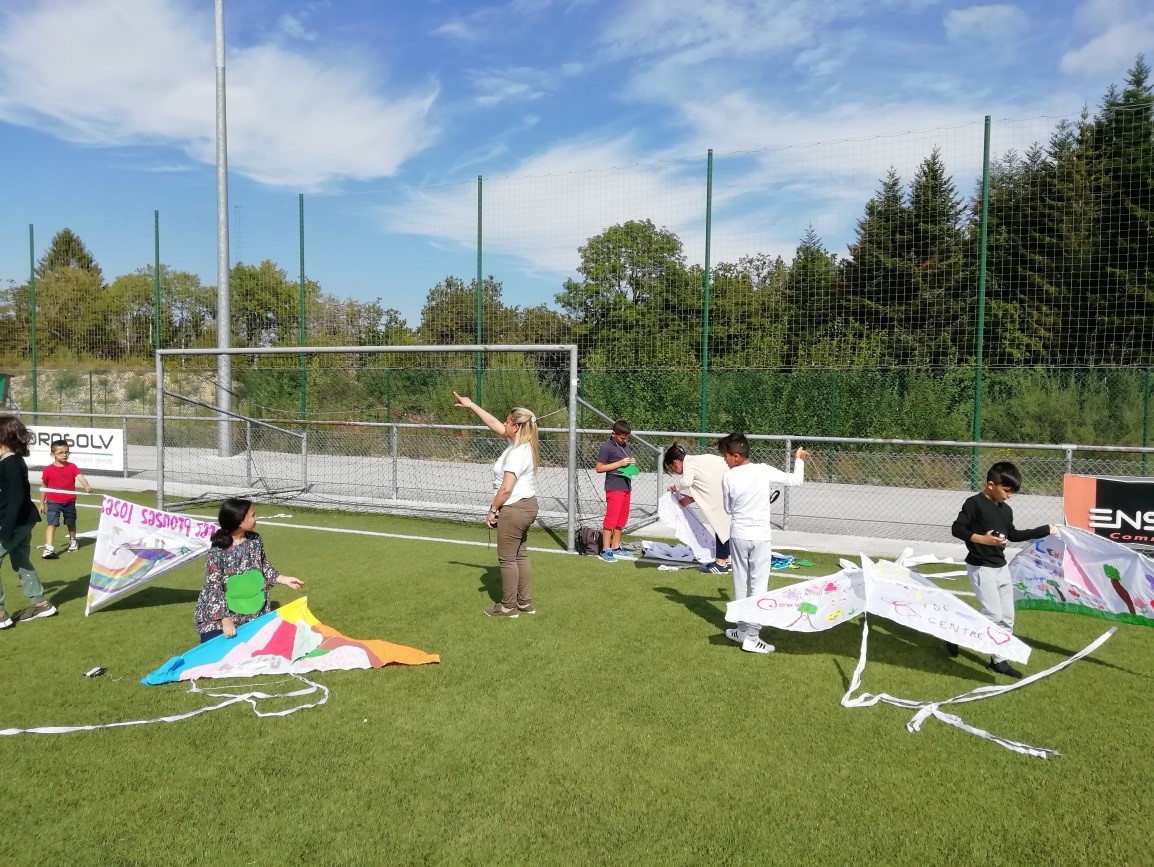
point(615, 726)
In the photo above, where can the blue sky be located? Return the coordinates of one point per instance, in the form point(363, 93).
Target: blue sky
point(578, 113)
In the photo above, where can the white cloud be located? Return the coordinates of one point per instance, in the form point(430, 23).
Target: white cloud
point(295, 27)
point(143, 71)
point(520, 83)
point(998, 23)
point(1118, 30)
point(459, 28)
point(486, 21)
point(686, 32)
point(554, 202)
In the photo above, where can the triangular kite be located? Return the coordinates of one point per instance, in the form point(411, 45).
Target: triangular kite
point(287, 640)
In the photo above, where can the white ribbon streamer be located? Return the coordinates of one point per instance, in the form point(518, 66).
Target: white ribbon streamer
point(926, 709)
point(250, 698)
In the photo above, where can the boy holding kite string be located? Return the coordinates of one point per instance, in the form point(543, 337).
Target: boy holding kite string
point(985, 524)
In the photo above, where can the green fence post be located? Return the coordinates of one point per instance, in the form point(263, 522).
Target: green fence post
point(979, 348)
point(705, 279)
point(1146, 388)
point(831, 426)
point(304, 328)
point(32, 315)
point(480, 314)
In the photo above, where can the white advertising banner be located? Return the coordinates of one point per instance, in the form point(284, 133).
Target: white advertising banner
point(92, 448)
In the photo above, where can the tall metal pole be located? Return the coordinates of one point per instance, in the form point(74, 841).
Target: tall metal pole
point(32, 314)
point(304, 331)
point(223, 295)
point(156, 280)
point(979, 346)
point(480, 315)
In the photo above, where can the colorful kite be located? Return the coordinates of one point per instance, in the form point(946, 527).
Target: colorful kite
point(1083, 573)
point(287, 640)
point(135, 544)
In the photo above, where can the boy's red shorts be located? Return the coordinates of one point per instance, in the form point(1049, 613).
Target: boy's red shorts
point(616, 510)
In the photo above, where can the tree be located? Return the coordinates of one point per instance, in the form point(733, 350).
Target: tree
point(941, 287)
point(266, 304)
point(67, 251)
point(1123, 145)
point(623, 265)
point(449, 316)
point(879, 273)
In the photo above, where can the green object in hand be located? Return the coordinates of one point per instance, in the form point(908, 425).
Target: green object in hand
point(629, 471)
point(244, 593)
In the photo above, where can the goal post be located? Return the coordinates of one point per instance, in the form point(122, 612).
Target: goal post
point(275, 458)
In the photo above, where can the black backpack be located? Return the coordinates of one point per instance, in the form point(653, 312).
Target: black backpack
point(588, 541)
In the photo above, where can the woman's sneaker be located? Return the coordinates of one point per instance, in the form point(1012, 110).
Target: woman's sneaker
point(608, 556)
point(40, 609)
point(527, 609)
point(5, 620)
point(500, 610)
point(72, 546)
point(48, 553)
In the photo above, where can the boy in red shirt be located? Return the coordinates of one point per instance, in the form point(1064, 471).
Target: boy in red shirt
point(62, 475)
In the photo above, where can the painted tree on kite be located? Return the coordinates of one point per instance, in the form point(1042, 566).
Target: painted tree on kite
point(803, 613)
point(1116, 582)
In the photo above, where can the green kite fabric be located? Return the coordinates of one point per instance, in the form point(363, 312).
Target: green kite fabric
point(244, 593)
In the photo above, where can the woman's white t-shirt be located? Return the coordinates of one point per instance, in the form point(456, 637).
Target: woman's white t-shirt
point(517, 460)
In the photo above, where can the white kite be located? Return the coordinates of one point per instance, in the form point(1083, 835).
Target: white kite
point(887, 590)
point(1083, 573)
point(135, 544)
point(897, 593)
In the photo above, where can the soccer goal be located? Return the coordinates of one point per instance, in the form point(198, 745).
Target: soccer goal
point(364, 428)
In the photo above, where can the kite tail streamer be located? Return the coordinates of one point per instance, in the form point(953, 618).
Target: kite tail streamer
point(250, 698)
point(927, 709)
point(956, 721)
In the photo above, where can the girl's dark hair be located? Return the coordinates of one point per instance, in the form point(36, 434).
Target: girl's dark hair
point(232, 512)
point(674, 453)
point(14, 435)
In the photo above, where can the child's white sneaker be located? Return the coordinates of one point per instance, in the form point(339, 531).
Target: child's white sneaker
point(753, 644)
point(49, 552)
point(72, 546)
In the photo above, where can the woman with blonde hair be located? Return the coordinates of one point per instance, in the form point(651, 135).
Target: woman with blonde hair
point(514, 505)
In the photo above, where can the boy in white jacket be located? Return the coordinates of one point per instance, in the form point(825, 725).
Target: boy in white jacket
point(746, 496)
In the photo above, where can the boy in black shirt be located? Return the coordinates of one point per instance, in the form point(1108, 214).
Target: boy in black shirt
point(985, 524)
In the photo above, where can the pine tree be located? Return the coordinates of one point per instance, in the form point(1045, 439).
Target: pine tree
point(67, 251)
point(1123, 147)
point(878, 275)
point(939, 316)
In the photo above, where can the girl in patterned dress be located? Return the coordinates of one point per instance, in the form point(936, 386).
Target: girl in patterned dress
point(236, 549)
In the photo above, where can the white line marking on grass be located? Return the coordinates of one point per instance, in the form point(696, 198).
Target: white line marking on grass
point(403, 536)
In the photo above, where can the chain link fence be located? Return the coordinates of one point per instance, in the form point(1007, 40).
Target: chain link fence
point(903, 490)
